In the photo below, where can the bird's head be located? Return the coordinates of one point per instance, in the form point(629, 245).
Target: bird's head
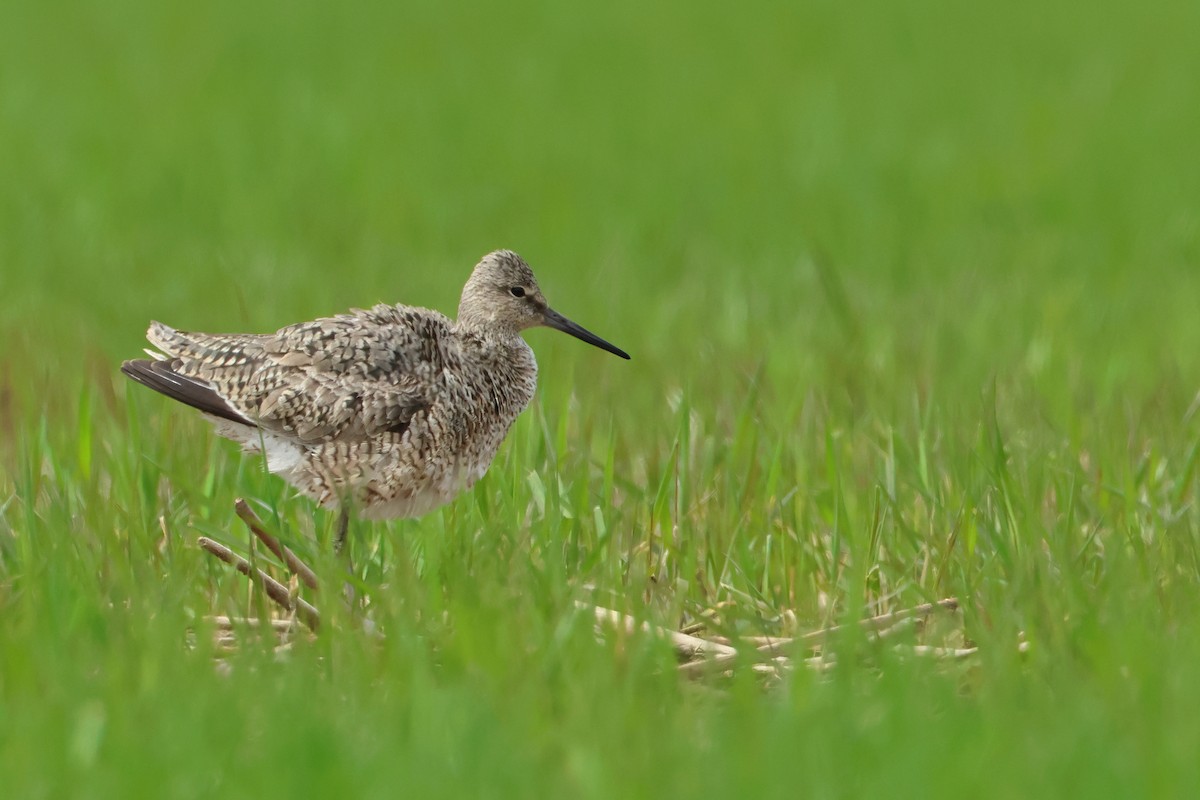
point(503, 295)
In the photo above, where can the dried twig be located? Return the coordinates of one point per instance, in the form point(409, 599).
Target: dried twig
point(876, 623)
point(883, 625)
point(281, 552)
point(688, 647)
point(949, 653)
point(222, 622)
point(703, 656)
point(704, 666)
point(274, 589)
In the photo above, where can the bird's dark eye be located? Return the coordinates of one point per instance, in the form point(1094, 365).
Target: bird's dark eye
point(517, 291)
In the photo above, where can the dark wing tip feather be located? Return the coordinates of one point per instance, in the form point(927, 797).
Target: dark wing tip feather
point(159, 376)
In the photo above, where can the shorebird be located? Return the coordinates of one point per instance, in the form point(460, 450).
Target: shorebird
point(392, 411)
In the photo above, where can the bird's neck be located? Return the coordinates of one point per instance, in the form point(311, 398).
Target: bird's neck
point(489, 335)
point(481, 323)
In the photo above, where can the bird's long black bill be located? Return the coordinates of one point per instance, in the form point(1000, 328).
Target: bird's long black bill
point(560, 323)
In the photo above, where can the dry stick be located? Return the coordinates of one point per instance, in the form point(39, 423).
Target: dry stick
point(228, 623)
point(871, 623)
point(770, 644)
point(951, 652)
point(939, 652)
point(899, 627)
point(782, 664)
point(282, 553)
point(775, 646)
point(703, 666)
point(274, 589)
point(687, 646)
point(775, 665)
point(883, 625)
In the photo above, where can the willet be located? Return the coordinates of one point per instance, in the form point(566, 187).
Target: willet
point(392, 411)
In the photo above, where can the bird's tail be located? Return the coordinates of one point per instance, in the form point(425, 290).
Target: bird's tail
point(159, 374)
point(225, 349)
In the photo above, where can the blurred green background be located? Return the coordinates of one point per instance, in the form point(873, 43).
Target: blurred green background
point(664, 168)
point(911, 291)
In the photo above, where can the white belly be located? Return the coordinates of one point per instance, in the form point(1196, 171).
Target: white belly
point(382, 487)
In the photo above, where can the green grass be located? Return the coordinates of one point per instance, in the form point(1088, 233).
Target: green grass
point(911, 293)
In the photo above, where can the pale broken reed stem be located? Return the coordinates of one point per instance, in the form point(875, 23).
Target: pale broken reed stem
point(274, 589)
point(685, 645)
point(222, 622)
point(283, 553)
point(871, 623)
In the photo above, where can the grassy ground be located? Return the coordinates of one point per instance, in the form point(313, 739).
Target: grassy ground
point(911, 292)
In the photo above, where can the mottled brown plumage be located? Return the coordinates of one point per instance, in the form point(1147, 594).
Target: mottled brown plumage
point(393, 410)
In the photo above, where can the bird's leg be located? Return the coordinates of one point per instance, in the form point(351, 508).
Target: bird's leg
point(339, 547)
point(343, 527)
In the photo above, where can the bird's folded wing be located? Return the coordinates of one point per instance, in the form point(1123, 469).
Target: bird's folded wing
point(343, 378)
